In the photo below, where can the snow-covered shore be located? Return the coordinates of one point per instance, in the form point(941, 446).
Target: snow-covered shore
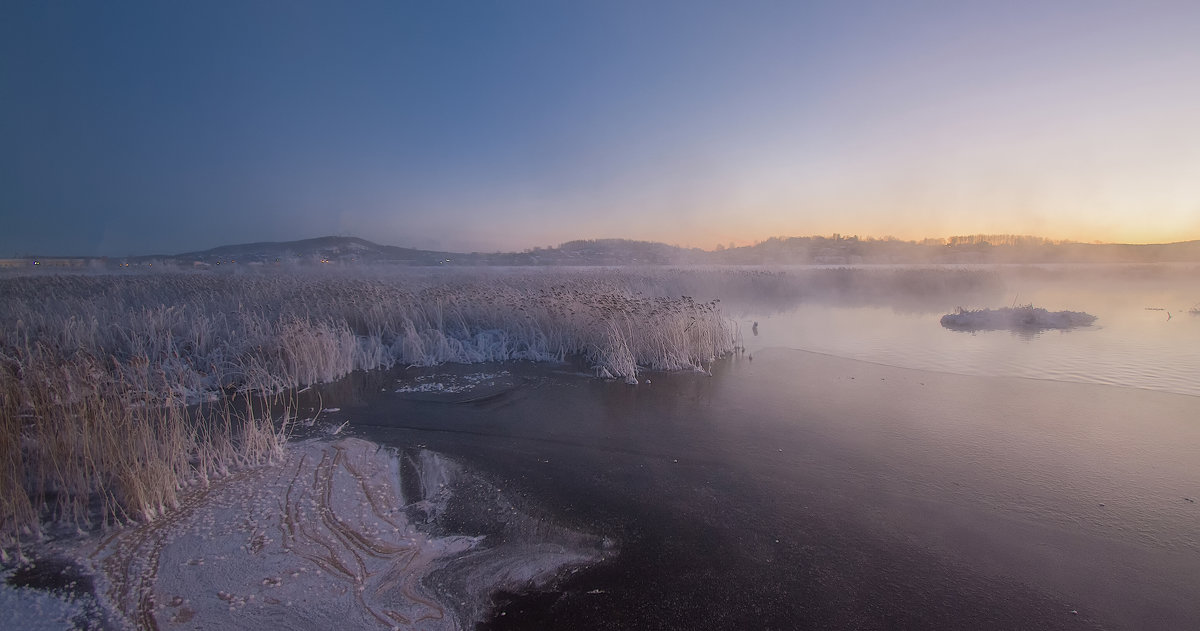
point(343, 534)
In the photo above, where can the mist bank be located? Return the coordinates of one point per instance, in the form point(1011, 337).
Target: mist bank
point(811, 250)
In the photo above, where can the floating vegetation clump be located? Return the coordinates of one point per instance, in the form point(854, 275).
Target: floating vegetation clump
point(120, 389)
point(1024, 319)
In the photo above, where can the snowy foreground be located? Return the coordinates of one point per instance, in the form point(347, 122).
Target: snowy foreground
point(338, 535)
point(1021, 319)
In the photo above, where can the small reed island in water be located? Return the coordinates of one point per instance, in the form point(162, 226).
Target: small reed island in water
point(1023, 319)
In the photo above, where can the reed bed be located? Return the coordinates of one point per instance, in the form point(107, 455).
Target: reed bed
point(120, 389)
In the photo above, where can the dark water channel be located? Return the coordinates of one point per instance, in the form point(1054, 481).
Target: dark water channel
point(803, 491)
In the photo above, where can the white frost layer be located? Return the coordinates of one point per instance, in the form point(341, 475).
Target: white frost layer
point(452, 383)
point(322, 541)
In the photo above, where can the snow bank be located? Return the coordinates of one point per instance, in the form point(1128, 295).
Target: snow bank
point(328, 539)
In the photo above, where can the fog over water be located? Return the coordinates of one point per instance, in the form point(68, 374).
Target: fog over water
point(1145, 335)
point(999, 479)
point(797, 490)
point(852, 463)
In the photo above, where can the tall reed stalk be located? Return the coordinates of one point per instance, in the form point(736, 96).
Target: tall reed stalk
point(116, 387)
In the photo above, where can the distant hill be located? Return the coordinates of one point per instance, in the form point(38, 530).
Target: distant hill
point(838, 250)
point(617, 252)
point(816, 250)
point(321, 249)
point(352, 250)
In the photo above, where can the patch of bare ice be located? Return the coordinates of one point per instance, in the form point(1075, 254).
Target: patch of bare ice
point(35, 609)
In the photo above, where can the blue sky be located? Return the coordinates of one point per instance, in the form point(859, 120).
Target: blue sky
point(172, 126)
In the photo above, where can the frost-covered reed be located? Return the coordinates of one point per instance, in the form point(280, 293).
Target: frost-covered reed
point(116, 387)
point(86, 439)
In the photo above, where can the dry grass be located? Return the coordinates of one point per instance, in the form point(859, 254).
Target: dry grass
point(116, 388)
point(85, 445)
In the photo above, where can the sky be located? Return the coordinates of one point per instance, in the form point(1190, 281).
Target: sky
point(501, 125)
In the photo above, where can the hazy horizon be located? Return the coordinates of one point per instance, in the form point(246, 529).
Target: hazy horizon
point(717, 248)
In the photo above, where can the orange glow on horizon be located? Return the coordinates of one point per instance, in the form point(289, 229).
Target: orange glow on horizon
point(712, 240)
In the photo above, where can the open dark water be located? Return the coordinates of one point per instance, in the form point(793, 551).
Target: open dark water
point(804, 491)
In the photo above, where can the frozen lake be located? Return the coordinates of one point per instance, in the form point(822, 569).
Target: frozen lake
point(857, 466)
point(860, 466)
point(800, 490)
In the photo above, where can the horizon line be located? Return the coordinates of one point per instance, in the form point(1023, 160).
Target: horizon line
point(835, 236)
